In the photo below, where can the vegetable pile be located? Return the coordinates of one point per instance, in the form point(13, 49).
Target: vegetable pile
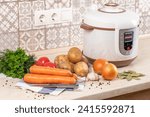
point(15, 64)
point(73, 61)
point(64, 69)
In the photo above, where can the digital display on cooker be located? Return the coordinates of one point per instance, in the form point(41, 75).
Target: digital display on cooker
point(128, 40)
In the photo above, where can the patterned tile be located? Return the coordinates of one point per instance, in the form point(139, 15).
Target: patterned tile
point(50, 4)
point(79, 8)
point(145, 25)
point(8, 17)
point(76, 35)
point(33, 40)
point(58, 36)
point(100, 3)
point(76, 17)
point(8, 0)
point(25, 23)
point(130, 5)
point(75, 3)
point(144, 7)
point(26, 14)
point(16, 14)
point(79, 3)
point(8, 41)
point(25, 17)
point(25, 8)
point(36, 6)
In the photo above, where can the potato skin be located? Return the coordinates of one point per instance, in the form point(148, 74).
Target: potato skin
point(81, 69)
point(62, 62)
point(67, 66)
point(61, 59)
point(74, 55)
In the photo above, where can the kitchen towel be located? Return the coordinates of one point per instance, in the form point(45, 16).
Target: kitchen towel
point(52, 91)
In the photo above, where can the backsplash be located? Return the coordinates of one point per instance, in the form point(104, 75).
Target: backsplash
point(17, 22)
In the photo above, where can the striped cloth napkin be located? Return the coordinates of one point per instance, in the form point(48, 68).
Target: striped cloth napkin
point(51, 91)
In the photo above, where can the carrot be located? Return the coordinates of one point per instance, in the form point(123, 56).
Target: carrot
point(49, 71)
point(48, 79)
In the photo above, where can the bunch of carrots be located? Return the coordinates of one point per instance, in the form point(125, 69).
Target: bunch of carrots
point(48, 75)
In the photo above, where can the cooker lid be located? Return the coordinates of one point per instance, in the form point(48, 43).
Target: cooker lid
point(111, 8)
point(111, 16)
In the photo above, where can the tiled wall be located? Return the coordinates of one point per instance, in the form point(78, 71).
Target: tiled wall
point(17, 25)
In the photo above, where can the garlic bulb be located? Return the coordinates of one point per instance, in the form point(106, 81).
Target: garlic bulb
point(92, 76)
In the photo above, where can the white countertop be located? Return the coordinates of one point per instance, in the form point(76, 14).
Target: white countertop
point(107, 90)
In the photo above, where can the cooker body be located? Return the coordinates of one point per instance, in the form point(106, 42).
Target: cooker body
point(119, 45)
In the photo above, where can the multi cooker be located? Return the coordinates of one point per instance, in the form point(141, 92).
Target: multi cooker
point(111, 33)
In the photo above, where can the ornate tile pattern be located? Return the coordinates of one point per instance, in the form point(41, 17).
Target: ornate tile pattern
point(144, 7)
point(50, 4)
point(79, 8)
point(33, 40)
point(8, 41)
point(58, 36)
point(130, 5)
point(8, 17)
point(8, 0)
point(145, 25)
point(17, 17)
point(26, 14)
point(76, 35)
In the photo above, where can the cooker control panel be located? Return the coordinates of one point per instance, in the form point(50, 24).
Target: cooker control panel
point(126, 39)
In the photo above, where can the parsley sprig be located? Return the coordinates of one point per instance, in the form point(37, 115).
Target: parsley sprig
point(15, 63)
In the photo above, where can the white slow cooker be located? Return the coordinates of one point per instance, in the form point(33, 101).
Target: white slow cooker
point(111, 33)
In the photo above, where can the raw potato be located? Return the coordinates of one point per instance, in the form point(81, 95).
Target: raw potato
point(75, 55)
point(62, 62)
point(66, 65)
point(81, 69)
point(72, 67)
point(61, 59)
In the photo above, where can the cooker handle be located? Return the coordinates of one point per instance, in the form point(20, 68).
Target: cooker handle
point(86, 27)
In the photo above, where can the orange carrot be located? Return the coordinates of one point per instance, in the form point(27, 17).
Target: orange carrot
point(49, 71)
point(48, 79)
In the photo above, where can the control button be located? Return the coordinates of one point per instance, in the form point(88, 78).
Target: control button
point(128, 48)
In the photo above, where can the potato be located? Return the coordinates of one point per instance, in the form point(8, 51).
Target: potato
point(72, 67)
point(67, 66)
point(75, 55)
point(81, 69)
point(61, 59)
point(62, 62)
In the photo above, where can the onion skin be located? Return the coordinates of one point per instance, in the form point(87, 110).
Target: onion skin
point(98, 65)
point(109, 71)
